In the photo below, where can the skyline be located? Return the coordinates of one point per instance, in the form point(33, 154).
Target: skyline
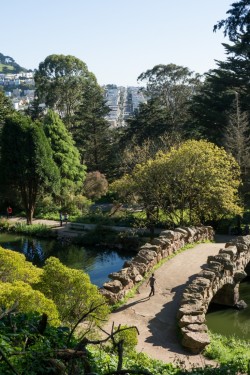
point(117, 40)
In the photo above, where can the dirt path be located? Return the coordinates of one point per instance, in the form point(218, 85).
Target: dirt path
point(155, 317)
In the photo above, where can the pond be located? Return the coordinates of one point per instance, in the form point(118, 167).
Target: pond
point(98, 263)
point(229, 321)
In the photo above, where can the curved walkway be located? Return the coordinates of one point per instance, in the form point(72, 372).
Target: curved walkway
point(155, 317)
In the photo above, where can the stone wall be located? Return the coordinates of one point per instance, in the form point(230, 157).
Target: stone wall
point(218, 282)
point(148, 256)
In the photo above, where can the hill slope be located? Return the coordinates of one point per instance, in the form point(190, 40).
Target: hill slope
point(8, 65)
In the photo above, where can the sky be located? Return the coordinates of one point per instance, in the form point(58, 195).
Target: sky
point(117, 39)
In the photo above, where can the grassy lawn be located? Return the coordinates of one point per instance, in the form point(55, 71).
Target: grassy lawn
point(9, 67)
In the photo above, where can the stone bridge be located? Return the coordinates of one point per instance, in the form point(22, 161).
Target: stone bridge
point(218, 282)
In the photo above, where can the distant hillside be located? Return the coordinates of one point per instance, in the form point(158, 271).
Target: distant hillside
point(8, 65)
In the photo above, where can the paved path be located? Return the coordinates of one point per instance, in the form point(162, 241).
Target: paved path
point(155, 317)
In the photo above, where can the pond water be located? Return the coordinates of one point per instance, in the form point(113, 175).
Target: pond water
point(98, 263)
point(229, 321)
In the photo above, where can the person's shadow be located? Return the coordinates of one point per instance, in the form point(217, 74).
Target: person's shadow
point(124, 307)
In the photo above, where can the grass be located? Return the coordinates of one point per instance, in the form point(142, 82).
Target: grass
point(229, 351)
point(36, 230)
point(9, 67)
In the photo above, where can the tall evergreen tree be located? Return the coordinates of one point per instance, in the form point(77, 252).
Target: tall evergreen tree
point(210, 107)
point(65, 154)
point(91, 131)
point(26, 161)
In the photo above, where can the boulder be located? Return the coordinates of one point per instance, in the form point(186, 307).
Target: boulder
point(195, 341)
point(114, 286)
point(192, 319)
point(241, 305)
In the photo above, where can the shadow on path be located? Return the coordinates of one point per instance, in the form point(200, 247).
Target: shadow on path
point(122, 308)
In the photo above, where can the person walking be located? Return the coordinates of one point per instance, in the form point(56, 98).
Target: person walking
point(66, 218)
point(61, 219)
point(152, 283)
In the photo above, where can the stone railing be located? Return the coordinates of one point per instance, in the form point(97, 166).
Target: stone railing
point(218, 282)
point(148, 256)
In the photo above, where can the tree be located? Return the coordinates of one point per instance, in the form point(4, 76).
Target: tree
point(27, 300)
point(91, 130)
point(95, 185)
point(72, 292)
point(65, 155)
point(193, 183)
point(211, 106)
point(169, 89)
point(60, 83)
point(14, 267)
point(26, 161)
point(236, 137)
point(6, 107)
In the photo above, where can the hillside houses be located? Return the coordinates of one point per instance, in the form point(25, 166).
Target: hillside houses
point(122, 101)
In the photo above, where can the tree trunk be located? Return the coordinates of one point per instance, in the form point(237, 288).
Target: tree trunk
point(29, 215)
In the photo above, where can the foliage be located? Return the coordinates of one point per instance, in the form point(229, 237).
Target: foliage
point(65, 154)
point(193, 183)
point(211, 105)
point(91, 130)
point(72, 292)
point(60, 83)
point(27, 300)
point(14, 267)
point(95, 185)
point(169, 89)
point(29, 349)
point(26, 161)
point(104, 362)
point(229, 351)
point(5, 107)
point(37, 230)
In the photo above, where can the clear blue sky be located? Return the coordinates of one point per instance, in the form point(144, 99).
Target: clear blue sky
point(117, 39)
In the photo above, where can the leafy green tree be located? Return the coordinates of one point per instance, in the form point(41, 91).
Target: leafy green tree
point(60, 83)
point(14, 267)
point(26, 161)
point(27, 300)
point(169, 89)
point(72, 292)
point(193, 183)
point(6, 108)
point(65, 155)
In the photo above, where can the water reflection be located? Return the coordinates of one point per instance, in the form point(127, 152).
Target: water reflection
point(229, 321)
point(98, 263)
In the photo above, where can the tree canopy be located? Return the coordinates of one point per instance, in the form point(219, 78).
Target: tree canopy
point(65, 155)
point(26, 161)
point(194, 183)
point(60, 83)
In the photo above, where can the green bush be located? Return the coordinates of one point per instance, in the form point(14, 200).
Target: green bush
point(229, 351)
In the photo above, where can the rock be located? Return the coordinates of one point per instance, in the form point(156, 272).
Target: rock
point(230, 250)
point(195, 328)
point(192, 319)
point(239, 275)
point(241, 305)
point(191, 309)
point(195, 341)
point(114, 286)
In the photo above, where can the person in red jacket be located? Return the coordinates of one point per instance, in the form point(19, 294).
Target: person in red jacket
point(9, 211)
